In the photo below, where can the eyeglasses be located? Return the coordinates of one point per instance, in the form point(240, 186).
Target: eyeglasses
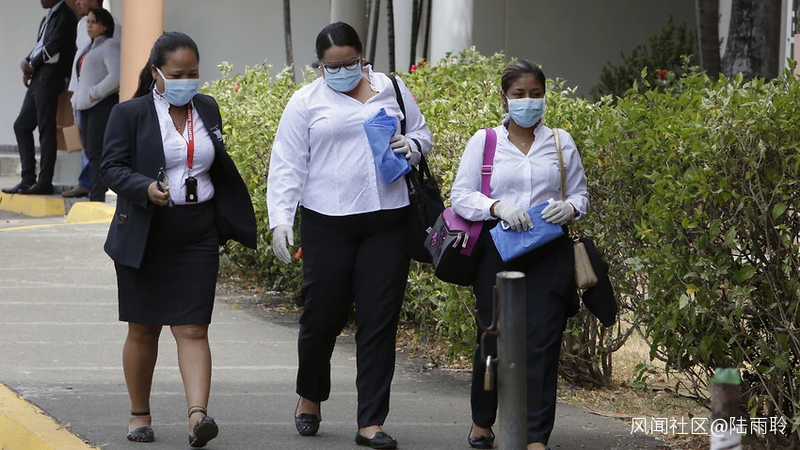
point(350, 64)
point(163, 178)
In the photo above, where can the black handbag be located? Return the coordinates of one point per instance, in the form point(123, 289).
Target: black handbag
point(424, 195)
point(453, 240)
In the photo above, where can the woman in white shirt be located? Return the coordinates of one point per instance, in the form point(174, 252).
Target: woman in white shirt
point(353, 227)
point(525, 173)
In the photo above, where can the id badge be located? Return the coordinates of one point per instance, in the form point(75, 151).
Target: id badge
point(191, 190)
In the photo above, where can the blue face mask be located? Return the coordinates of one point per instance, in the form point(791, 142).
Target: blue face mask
point(179, 92)
point(344, 80)
point(525, 111)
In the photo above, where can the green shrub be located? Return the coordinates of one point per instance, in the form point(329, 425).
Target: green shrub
point(694, 202)
point(664, 53)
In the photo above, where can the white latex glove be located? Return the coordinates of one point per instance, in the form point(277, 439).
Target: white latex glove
point(558, 212)
point(280, 236)
point(400, 144)
point(517, 218)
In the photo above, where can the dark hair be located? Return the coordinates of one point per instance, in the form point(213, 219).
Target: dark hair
point(167, 43)
point(104, 17)
point(518, 69)
point(339, 34)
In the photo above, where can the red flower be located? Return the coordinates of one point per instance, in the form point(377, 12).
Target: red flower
point(413, 68)
point(661, 74)
point(299, 254)
point(255, 271)
point(414, 95)
point(238, 86)
point(425, 63)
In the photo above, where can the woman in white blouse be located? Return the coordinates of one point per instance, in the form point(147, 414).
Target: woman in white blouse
point(525, 174)
point(353, 227)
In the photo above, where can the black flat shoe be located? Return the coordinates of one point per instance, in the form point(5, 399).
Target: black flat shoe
point(481, 441)
point(141, 434)
point(38, 189)
point(380, 440)
point(15, 190)
point(306, 424)
point(204, 430)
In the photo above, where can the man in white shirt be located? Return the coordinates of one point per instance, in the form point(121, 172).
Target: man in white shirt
point(82, 41)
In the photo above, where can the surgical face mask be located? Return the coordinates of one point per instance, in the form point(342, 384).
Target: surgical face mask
point(344, 80)
point(526, 111)
point(179, 92)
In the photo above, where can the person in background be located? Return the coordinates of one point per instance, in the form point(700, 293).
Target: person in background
point(82, 41)
point(179, 196)
point(44, 73)
point(97, 91)
point(353, 226)
point(525, 173)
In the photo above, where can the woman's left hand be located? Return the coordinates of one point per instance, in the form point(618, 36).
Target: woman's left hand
point(558, 212)
point(400, 144)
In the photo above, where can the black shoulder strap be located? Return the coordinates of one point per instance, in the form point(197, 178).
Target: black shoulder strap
point(399, 102)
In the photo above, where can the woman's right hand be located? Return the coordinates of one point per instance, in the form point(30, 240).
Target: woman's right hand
point(155, 195)
point(281, 235)
point(517, 218)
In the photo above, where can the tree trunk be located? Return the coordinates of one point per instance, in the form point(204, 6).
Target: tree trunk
point(754, 39)
point(390, 33)
point(426, 44)
point(416, 17)
point(708, 36)
point(374, 38)
point(287, 29)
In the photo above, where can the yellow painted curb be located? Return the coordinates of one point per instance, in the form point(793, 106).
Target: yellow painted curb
point(32, 205)
point(90, 212)
point(23, 426)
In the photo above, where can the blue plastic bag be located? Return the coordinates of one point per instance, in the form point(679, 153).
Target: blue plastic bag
point(380, 128)
point(511, 244)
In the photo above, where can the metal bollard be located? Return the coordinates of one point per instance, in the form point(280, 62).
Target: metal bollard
point(511, 361)
point(725, 410)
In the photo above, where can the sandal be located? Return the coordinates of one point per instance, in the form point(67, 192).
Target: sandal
point(204, 430)
point(141, 434)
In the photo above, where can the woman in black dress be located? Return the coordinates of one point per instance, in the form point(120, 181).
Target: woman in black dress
point(179, 198)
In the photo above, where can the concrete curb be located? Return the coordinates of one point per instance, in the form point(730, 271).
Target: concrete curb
point(90, 212)
point(33, 205)
point(24, 426)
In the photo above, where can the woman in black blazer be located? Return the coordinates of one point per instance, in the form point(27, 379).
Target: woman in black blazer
point(179, 198)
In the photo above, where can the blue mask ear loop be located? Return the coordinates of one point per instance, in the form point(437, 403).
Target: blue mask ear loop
point(155, 85)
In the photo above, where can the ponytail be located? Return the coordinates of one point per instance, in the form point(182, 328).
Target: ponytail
point(145, 81)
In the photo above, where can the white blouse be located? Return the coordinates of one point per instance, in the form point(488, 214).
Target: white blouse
point(176, 154)
point(321, 157)
point(519, 179)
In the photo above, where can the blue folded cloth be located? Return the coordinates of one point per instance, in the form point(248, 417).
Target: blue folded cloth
point(512, 244)
point(380, 128)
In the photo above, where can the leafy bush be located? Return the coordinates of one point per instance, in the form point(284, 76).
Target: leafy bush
point(663, 53)
point(694, 201)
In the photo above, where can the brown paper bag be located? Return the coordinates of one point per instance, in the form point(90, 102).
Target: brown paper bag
point(72, 138)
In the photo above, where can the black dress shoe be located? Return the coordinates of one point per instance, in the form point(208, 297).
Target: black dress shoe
point(380, 440)
point(481, 441)
point(15, 190)
point(38, 189)
point(306, 424)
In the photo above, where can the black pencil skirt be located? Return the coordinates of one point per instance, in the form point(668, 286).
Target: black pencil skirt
point(176, 281)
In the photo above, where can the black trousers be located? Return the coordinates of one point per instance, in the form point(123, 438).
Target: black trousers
point(364, 258)
point(93, 128)
point(39, 109)
point(549, 272)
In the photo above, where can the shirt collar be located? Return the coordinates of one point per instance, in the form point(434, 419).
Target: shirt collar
point(58, 5)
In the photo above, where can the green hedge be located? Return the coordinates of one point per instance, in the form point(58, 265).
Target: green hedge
point(694, 201)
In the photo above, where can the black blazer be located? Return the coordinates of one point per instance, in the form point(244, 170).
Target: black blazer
point(59, 39)
point(133, 153)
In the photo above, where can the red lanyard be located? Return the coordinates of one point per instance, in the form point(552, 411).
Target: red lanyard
point(190, 141)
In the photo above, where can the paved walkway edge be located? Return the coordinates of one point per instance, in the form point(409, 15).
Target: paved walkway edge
point(90, 212)
point(33, 205)
point(23, 426)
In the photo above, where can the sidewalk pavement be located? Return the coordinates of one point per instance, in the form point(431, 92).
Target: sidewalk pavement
point(61, 344)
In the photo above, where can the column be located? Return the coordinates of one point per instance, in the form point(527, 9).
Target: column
point(451, 27)
point(403, 15)
point(142, 24)
point(353, 13)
